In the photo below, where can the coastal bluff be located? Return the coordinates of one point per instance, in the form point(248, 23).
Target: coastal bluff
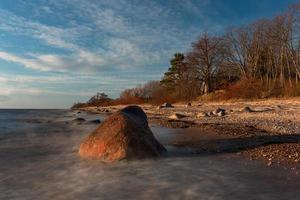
point(123, 135)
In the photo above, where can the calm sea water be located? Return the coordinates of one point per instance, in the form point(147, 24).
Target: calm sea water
point(39, 160)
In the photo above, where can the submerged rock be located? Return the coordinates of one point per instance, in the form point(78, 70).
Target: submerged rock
point(79, 119)
point(123, 135)
point(95, 121)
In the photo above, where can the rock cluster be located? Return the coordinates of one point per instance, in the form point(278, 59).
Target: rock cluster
point(218, 112)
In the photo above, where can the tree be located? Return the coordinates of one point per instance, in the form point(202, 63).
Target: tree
point(178, 80)
point(149, 88)
point(173, 76)
point(99, 99)
point(205, 58)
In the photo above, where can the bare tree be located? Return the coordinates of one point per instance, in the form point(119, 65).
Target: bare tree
point(205, 58)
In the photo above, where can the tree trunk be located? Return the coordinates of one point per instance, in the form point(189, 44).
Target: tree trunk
point(207, 86)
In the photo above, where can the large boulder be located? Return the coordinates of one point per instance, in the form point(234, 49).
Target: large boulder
point(123, 135)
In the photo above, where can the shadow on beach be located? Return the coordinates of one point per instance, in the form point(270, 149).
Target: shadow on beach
point(233, 145)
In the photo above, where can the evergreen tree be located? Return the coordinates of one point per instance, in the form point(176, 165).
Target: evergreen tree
point(173, 77)
point(99, 99)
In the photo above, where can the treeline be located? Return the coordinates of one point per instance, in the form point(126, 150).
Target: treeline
point(258, 60)
point(152, 92)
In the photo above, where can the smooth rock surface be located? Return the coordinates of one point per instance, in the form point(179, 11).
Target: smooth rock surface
point(123, 135)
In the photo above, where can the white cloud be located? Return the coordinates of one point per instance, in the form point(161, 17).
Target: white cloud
point(86, 46)
point(29, 63)
point(106, 79)
point(7, 91)
point(120, 33)
point(66, 85)
point(41, 62)
point(79, 58)
point(83, 61)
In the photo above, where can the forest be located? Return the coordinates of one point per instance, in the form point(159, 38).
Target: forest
point(253, 61)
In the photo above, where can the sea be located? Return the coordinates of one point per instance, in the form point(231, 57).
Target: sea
point(39, 160)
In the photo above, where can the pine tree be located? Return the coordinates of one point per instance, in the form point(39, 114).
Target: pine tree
point(99, 99)
point(172, 78)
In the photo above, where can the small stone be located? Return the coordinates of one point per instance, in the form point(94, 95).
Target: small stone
point(95, 121)
point(211, 114)
point(79, 119)
point(188, 104)
point(269, 163)
point(202, 114)
point(167, 105)
point(177, 116)
point(159, 107)
point(222, 113)
point(248, 109)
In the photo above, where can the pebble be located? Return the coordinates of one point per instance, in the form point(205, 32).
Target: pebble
point(269, 163)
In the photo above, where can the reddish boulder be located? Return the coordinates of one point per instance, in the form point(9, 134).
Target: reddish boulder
point(123, 135)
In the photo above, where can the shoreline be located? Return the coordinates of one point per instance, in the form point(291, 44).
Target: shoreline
point(270, 132)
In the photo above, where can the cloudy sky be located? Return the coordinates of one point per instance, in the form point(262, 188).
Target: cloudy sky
point(56, 52)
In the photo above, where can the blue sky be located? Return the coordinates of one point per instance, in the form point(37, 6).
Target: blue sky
point(56, 52)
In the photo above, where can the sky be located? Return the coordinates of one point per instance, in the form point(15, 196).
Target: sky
point(57, 52)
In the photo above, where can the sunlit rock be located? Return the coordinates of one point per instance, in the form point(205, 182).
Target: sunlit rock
point(123, 135)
